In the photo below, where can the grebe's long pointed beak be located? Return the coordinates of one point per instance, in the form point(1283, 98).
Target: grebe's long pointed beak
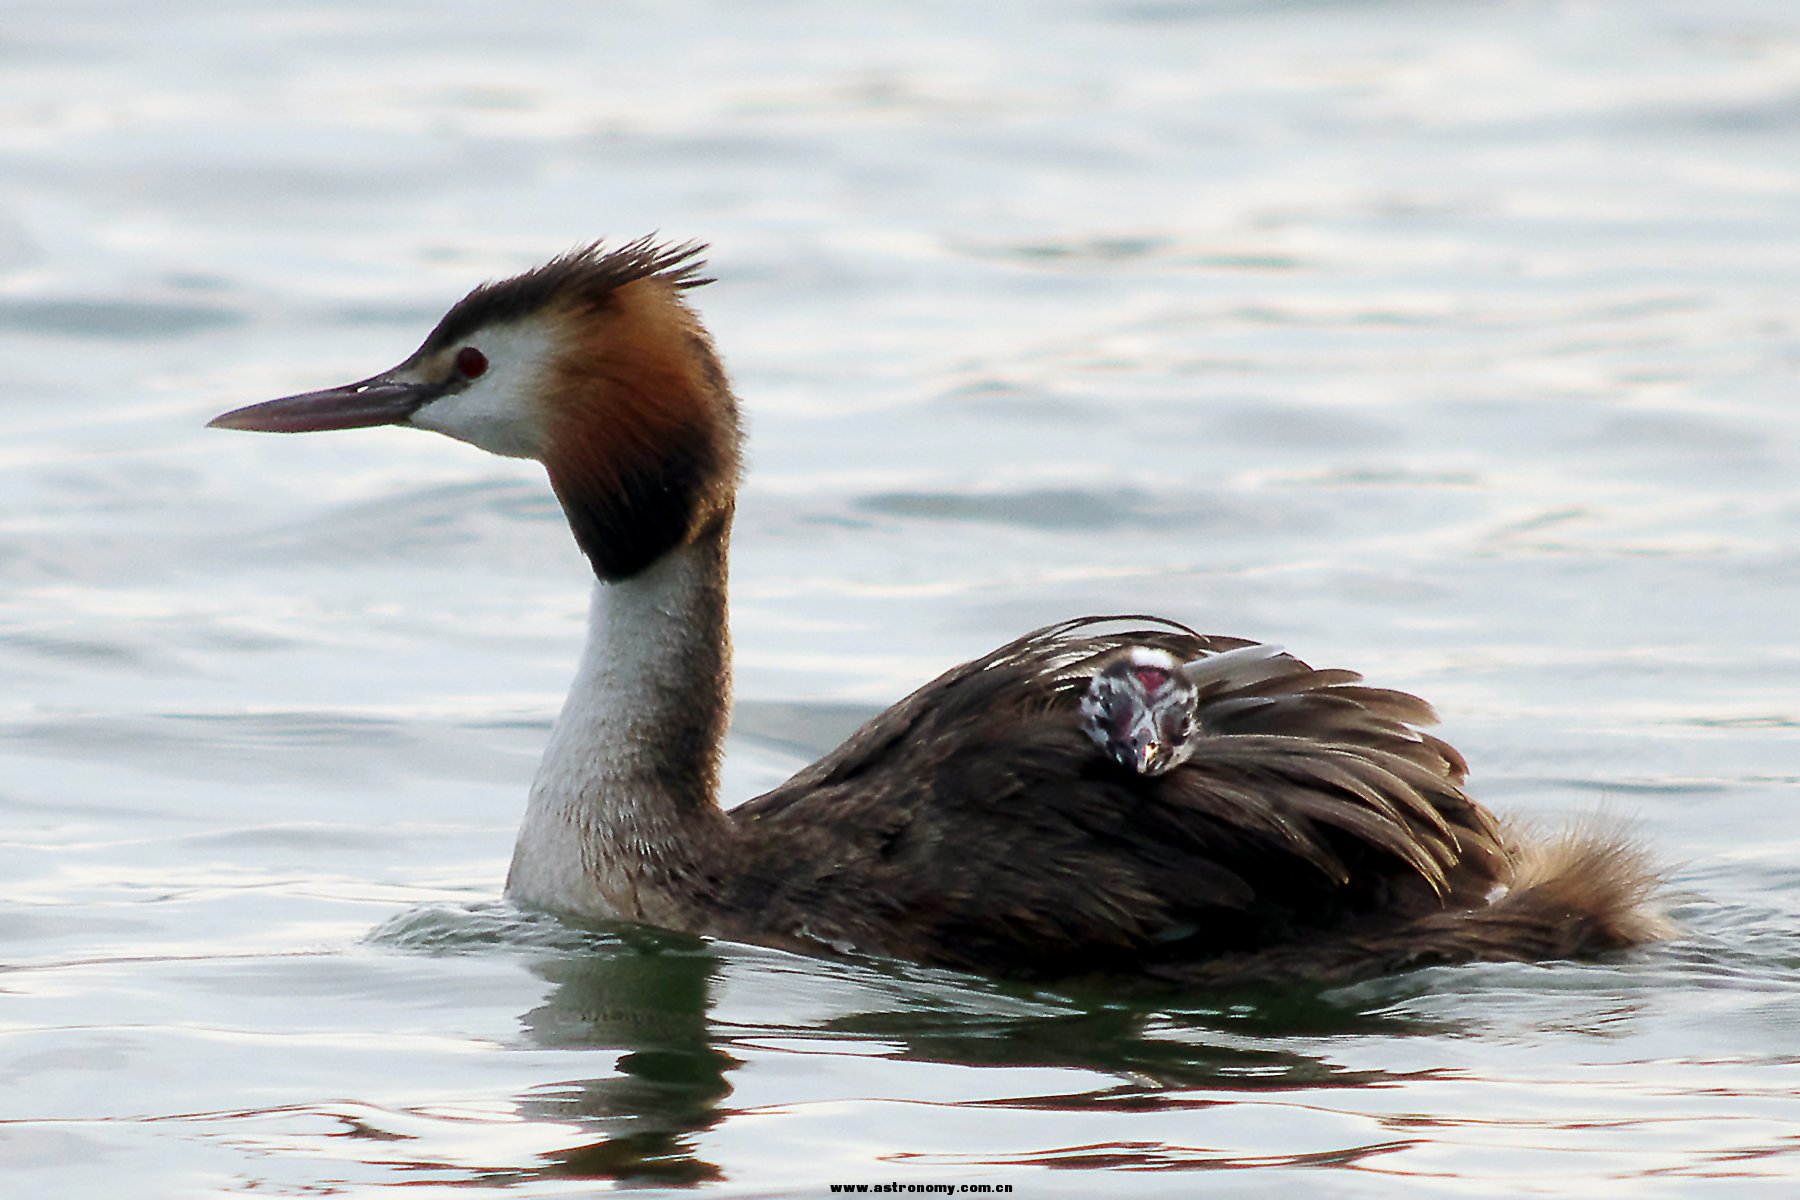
point(384, 399)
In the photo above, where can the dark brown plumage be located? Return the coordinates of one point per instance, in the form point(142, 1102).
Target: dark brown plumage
point(1319, 835)
point(1308, 829)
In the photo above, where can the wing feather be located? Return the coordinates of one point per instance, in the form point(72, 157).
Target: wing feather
point(984, 829)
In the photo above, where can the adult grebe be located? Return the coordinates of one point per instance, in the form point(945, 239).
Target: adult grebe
point(1290, 823)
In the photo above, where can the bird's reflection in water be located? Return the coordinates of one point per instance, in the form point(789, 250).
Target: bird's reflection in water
point(654, 999)
point(1137, 1045)
point(650, 999)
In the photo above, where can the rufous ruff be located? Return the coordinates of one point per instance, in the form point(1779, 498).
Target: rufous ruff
point(1155, 801)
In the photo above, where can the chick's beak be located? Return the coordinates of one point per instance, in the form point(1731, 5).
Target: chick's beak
point(385, 399)
point(1140, 747)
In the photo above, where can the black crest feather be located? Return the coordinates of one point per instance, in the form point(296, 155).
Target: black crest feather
point(589, 275)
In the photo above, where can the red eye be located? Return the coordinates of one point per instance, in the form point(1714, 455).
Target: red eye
point(471, 362)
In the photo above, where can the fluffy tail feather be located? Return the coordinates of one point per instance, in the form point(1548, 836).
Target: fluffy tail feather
point(1580, 890)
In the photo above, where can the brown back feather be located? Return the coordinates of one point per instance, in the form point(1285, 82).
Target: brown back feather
point(973, 824)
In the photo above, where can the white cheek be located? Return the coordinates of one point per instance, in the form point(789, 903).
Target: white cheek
point(493, 418)
point(498, 412)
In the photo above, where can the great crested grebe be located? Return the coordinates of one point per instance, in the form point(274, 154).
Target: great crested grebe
point(1269, 822)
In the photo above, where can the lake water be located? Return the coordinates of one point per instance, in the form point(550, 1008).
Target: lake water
point(1456, 343)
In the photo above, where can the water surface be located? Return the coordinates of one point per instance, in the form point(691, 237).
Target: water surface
point(1454, 343)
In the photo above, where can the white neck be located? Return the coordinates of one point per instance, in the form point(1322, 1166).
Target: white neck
point(623, 819)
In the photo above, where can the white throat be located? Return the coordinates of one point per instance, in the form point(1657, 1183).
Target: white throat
point(623, 818)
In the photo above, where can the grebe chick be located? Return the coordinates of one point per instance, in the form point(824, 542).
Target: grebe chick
point(1142, 705)
point(1139, 708)
point(1309, 830)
